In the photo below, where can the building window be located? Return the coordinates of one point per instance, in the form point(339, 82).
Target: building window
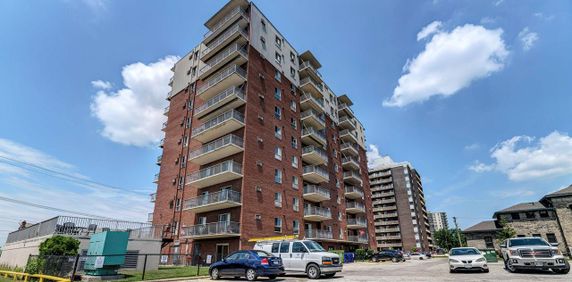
point(536, 235)
point(295, 182)
point(278, 199)
point(338, 183)
point(295, 161)
point(543, 214)
point(278, 153)
point(295, 204)
point(278, 58)
point(277, 113)
point(178, 204)
point(295, 227)
point(292, 57)
point(293, 123)
point(278, 132)
point(278, 94)
point(551, 238)
point(278, 41)
point(292, 72)
point(515, 216)
point(336, 167)
point(263, 42)
point(294, 142)
point(293, 105)
point(277, 225)
point(530, 215)
point(278, 176)
point(278, 76)
point(263, 23)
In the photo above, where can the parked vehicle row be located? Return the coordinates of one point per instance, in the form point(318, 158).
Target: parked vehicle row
point(533, 253)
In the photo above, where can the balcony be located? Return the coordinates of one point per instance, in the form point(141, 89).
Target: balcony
point(384, 194)
point(352, 177)
point(347, 122)
point(386, 201)
point(312, 136)
point(315, 193)
point(381, 188)
point(162, 143)
point(313, 118)
point(388, 237)
point(231, 76)
point(307, 69)
point(216, 174)
point(307, 101)
point(236, 34)
point(356, 223)
point(389, 245)
point(152, 197)
point(223, 147)
point(159, 160)
point(309, 85)
point(385, 208)
point(150, 217)
point(387, 230)
point(344, 109)
point(387, 215)
point(236, 14)
point(381, 174)
point(213, 201)
point(218, 126)
point(319, 234)
point(231, 98)
point(164, 126)
point(353, 192)
point(355, 207)
point(349, 149)
point(212, 230)
point(313, 213)
point(348, 136)
point(360, 239)
point(235, 53)
point(315, 174)
point(166, 111)
point(314, 155)
point(350, 163)
point(156, 178)
point(385, 222)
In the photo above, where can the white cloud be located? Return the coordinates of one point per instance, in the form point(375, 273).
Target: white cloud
point(100, 84)
point(521, 158)
point(513, 193)
point(527, 38)
point(472, 147)
point(22, 153)
point(431, 28)
point(498, 2)
point(488, 20)
point(133, 115)
point(450, 62)
point(375, 159)
point(544, 17)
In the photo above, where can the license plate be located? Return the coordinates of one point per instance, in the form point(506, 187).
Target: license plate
point(538, 263)
point(468, 265)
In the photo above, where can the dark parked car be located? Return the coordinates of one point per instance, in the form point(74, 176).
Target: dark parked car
point(249, 264)
point(392, 255)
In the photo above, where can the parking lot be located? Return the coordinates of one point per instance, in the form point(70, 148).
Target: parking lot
point(429, 270)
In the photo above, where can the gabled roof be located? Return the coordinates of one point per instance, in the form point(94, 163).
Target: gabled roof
point(531, 206)
point(560, 193)
point(487, 225)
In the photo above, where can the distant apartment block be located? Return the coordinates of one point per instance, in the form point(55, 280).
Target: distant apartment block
point(400, 216)
point(257, 146)
point(438, 221)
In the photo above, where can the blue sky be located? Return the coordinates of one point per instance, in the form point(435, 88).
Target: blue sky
point(479, 102)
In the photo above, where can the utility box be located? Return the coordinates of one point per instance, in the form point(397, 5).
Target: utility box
point(106, 253)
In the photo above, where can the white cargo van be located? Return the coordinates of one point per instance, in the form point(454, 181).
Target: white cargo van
point(303, 256)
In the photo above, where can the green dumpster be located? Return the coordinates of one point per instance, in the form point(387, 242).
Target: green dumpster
point(490, 255)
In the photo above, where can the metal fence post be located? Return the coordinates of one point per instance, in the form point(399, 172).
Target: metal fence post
point(198, 268)
point(144, 268)
point(75, 264)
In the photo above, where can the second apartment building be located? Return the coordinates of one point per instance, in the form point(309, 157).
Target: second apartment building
point(257, 146)
point(400, 215)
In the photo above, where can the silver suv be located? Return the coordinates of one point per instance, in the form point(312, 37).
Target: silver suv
point(532, 253)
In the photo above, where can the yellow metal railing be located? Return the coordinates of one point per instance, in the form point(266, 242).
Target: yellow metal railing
point(26, 276)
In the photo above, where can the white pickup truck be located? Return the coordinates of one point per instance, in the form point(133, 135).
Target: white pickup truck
point(532, 253)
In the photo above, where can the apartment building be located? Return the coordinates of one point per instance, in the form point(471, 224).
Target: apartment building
point(438, 221)
point(399, 212)
point(257, 146)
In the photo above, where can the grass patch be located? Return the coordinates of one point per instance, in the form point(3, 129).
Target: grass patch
point(164, 273)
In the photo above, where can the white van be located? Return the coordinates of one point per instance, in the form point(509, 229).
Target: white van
point(303, 256)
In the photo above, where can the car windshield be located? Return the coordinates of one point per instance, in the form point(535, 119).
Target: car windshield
point(527, 242)
point(313, 246)
point(464, 252)
point(263, 254)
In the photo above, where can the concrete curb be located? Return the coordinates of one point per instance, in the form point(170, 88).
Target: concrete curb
point(180, 278)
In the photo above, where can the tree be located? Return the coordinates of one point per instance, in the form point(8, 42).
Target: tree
point(59, 246)
point(447, 239)
point(506, 232)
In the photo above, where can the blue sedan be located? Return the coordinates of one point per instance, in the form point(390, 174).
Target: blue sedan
point(249, 264)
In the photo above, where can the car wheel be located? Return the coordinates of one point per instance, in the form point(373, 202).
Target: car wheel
point(451, 271)
point(561, 271)
point(272, 277)
point(486, 270)
point(394, 260)
point(251, 274)
point(510, 267)
point(215, 275)
point(374, 260)
point(313, 271)
point(330, 275)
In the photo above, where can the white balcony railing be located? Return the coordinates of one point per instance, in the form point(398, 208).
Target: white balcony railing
point(223, 21)
point(214, 101)
point(218, 77)
point(226, 166)
point(232, 114)
point(230, 139)
point(213, 198)
point(317, 211)
point(212, 229)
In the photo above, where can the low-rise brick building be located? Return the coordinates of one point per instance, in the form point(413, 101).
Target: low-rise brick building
point(550, 218)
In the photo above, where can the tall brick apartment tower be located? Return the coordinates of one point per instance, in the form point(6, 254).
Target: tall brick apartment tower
point(401, 219)
point(257, 146)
